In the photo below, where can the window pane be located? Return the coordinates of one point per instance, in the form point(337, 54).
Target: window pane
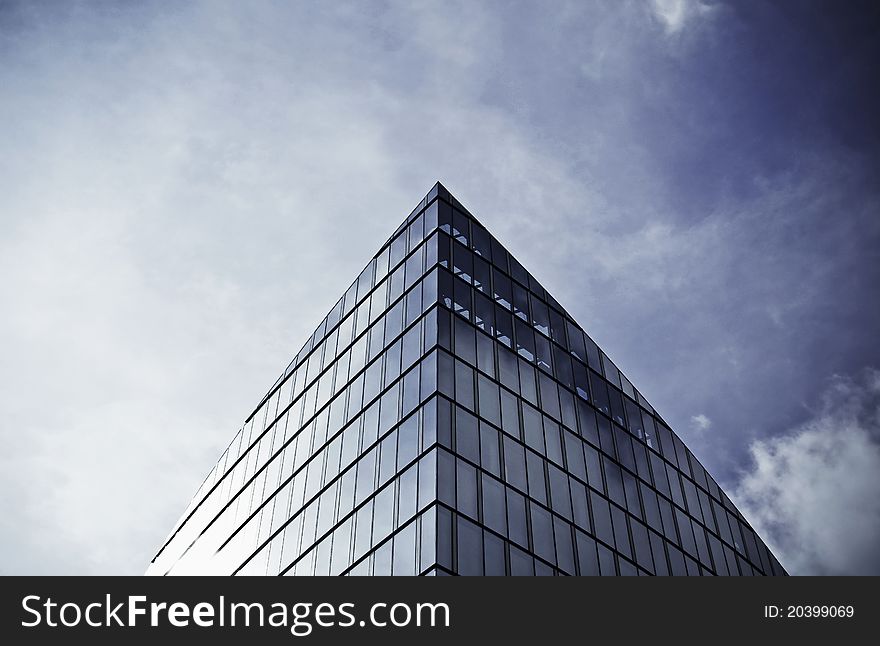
point(470, 548)
point(410, 398)
point(366, 469)
point(557, 328)
point(462, 263)
point(514, 463)
point(540, 316)
point(444, 217)
point(502, 289)
point(574, 454)
point(562, 366)
point(552, 440)
point(521, 303)
point(542, 533)
point(486, 355)
point(387, 457)
point(411, 347)
point(388, 411)
point(494, 510)
point(407, 441)
point(414, 268)
point(480, 241)
point(621, 532)
point(528, 389)
point(392, 362)
point(533, 430)
point(549, 396)
point(467, 442)
point(521, 564)
point(428, 379)
point(614, 480)
point(510, 414)
point(508, 370)
point(493, 555)
point(499, 254)
point(560, 499)
point(406, 495)
point(602, 518)
point(564, 548)
point(525, 341)
point(465, 341)
point(462, 298)
point(398, 249)
point(600, 393)
point(444, 537)
point(587, 557)
point(460, 226)
point(580, 507)
point(615, 398)
point(464, 385)
point(482, 273)
point(516, 518)
point(542, 353)
point(537, 485)
point(490, 458)
point(466, 488)
point(404, 561)
point(427, 479)
point(484, 314)
point(444, 288)
point(383, 514)
point(364, 530)
point(428, 539)
point(503, 327)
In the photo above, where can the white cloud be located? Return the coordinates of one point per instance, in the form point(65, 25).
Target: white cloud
point(701, 422)
point(674, 15)
point(814, 494)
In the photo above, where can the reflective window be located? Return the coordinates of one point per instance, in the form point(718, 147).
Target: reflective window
point(490, 457)
point(564, 546)
point(494, 509)
point(463, 263)
point(493, 555)
point(542, 533)
point(503, 289)
point(481, 242)
point(525, 340)
point(521, 303)
point(481, 276)
point(467, 443)
point(489, 400)
point(460, 227)
point(537, 479)
point(466, 488)
point(514, 463)
point(516, 518)
point(484, 314)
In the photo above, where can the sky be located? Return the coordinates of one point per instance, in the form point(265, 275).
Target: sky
point(187, 188)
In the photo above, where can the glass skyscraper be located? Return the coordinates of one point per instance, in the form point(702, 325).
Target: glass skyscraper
point(448, 416)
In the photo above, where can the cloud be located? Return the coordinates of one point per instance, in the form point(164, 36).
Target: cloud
point(701, 422)
point(814, 493)
point(674, 15)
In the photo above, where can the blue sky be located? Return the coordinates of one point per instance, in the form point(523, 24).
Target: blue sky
point(185, 190)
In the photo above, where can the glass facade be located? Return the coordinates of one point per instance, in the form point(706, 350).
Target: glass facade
point(448, 416)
